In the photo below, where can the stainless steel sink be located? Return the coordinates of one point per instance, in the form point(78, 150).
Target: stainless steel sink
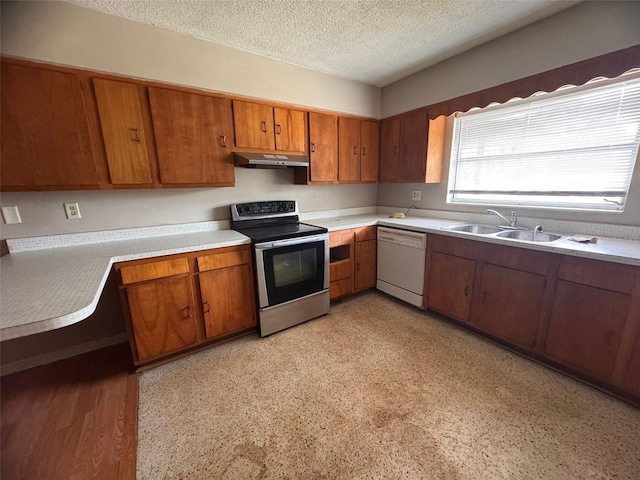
point(530, 236)
point(479, 229)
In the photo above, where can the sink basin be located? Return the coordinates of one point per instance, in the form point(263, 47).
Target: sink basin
point(530, 236)
point(479, 229)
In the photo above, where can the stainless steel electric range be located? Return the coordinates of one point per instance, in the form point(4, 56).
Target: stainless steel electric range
point(292, 262)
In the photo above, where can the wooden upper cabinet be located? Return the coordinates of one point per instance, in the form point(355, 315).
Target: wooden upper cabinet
point(123, 132)
point(369, 151)
point(253, 124)
point(348, 150)
point(46, 139)
point(323, 148)
point(389, 150)
point(290, 130)
point(193, 134)
point(411, 149)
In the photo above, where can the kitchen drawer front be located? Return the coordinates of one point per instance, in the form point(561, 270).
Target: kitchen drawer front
point(365, 233)
point(455, 246)
point(340, 237)
point(340, 270)
point(597, 274)
point(153, 270)
point(340, 288)
point(223, 260)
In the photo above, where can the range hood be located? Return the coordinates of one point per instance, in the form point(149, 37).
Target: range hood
point(269, 160)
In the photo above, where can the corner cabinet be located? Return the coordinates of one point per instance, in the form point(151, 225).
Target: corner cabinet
point(411, 149)
point(47, 139)
point(177, 303)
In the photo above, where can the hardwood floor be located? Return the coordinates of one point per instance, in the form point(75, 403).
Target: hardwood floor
point(73, 419)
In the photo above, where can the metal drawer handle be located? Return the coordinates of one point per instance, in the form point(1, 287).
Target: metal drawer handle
point(313, 147)
point(364, 151)
point(466, 291)
point(395, 150)
point(134, 134)
point(223, 140)
point(278, 129)
point(188, 309)
point(264, 126)
point(206, 308)
point(355, 150)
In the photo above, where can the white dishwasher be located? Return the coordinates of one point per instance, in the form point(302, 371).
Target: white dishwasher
point(401, 262)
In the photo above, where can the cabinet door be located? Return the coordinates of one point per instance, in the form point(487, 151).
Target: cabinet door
point(289, 129)
point(370, 156)
point(509, 304)
point(632, 378)
point(450, 285)
point(162, 316)
point(585, 327)
point(193, 137)
point(413, 147)
point(348, 150)
point(228, 300)
point(45, 133)
point(123, 132)
point(389, 150)
point(323, 146)
point(253, 125)
point(365, 267)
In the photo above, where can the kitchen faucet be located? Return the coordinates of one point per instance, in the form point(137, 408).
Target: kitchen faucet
point(512, 221)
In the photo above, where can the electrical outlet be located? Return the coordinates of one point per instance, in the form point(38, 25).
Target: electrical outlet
point(11, 215)
point(416, 194)
point(72, 210)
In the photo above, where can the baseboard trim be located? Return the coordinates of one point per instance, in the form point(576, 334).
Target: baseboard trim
point(54, 356)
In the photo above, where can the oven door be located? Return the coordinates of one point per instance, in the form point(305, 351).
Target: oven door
point(292, 268)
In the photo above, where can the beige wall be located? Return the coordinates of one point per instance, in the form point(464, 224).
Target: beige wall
point(587, 30)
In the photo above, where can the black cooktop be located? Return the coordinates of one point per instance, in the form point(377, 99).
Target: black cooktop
point(280, 232)
point(270, 220)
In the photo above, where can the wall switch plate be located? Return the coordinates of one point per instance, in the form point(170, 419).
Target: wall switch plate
point(72, 210)
point(416, 194)
point(11, 215)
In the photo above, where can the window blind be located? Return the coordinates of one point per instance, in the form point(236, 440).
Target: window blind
point(575, 148)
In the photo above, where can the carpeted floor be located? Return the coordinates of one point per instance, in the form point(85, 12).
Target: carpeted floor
point(377, 389)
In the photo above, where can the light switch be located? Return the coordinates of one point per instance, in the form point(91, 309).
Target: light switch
point(11, 215)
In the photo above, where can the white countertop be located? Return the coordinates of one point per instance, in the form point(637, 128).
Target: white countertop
point(47, 289)
point(51, 288)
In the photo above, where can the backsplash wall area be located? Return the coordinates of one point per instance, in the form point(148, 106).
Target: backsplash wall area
point(43, 213)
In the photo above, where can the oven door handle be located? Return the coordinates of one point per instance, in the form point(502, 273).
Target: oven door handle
point(292, 241)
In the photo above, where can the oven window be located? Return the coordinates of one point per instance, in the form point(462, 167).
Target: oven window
point(294, 267)
point(293, 271)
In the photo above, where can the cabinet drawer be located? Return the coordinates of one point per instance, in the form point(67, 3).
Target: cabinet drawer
point(223, 260)
point(340, 270)
point(365, 233)
point(151, 271)
point(340, 288)
point(341, 237)
point(595, 274)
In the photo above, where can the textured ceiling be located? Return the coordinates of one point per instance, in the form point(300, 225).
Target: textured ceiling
point(373, 41)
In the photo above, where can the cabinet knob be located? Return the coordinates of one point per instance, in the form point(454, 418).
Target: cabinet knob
point(188, 314)
point(313, 147)
point(264, 126)
point(278, 129)
point(223, 140)
point(206, 308)
point(134, 134)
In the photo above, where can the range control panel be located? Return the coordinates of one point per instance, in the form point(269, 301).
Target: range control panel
point(240, 211)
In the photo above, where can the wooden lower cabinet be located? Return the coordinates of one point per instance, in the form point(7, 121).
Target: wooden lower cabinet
point(163, 317)
point(353, 260)
point(227, 298)
point(176, 303)
point(632, 372)
point(590, 310)
point(450, 285)
point(509, 304)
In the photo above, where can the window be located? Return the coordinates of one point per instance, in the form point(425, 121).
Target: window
point(575, 149)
